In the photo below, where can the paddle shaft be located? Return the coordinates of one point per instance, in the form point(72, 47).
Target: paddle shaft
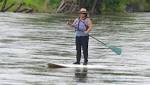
point(97, 40)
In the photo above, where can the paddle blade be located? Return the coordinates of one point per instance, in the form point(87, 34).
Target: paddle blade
point(118, 51)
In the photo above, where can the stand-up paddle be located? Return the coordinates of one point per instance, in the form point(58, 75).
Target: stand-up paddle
point(113, 48)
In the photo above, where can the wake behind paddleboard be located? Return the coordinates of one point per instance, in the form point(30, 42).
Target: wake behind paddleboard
point(54, 65)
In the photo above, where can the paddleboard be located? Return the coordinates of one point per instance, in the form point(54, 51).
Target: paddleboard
point(55, 65)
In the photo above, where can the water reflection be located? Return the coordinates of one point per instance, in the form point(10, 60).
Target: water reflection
point(81, 74)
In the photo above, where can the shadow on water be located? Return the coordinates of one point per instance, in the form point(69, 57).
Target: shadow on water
point(81, 75)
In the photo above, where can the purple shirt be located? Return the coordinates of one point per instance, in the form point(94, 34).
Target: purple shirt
point(80, 26)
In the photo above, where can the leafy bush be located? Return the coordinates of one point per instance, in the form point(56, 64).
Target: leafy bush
point(114, 5)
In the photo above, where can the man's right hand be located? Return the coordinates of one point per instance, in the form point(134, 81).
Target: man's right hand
point(68, 23)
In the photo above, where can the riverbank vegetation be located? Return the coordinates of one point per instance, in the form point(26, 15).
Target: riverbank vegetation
point(71, 6)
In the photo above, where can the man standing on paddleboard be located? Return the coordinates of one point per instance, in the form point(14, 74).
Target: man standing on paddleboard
point(82, 25)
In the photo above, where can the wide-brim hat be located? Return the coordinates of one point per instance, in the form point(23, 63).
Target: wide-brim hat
point(83, 10)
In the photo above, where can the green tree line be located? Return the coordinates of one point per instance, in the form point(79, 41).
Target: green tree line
point(94, 6)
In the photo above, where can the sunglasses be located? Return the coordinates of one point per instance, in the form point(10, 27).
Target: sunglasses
point(82, 13)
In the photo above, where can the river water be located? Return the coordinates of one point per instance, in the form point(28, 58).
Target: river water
point(28, 42)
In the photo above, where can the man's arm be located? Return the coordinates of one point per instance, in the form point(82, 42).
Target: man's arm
point(90, 25)
point(71, 23)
